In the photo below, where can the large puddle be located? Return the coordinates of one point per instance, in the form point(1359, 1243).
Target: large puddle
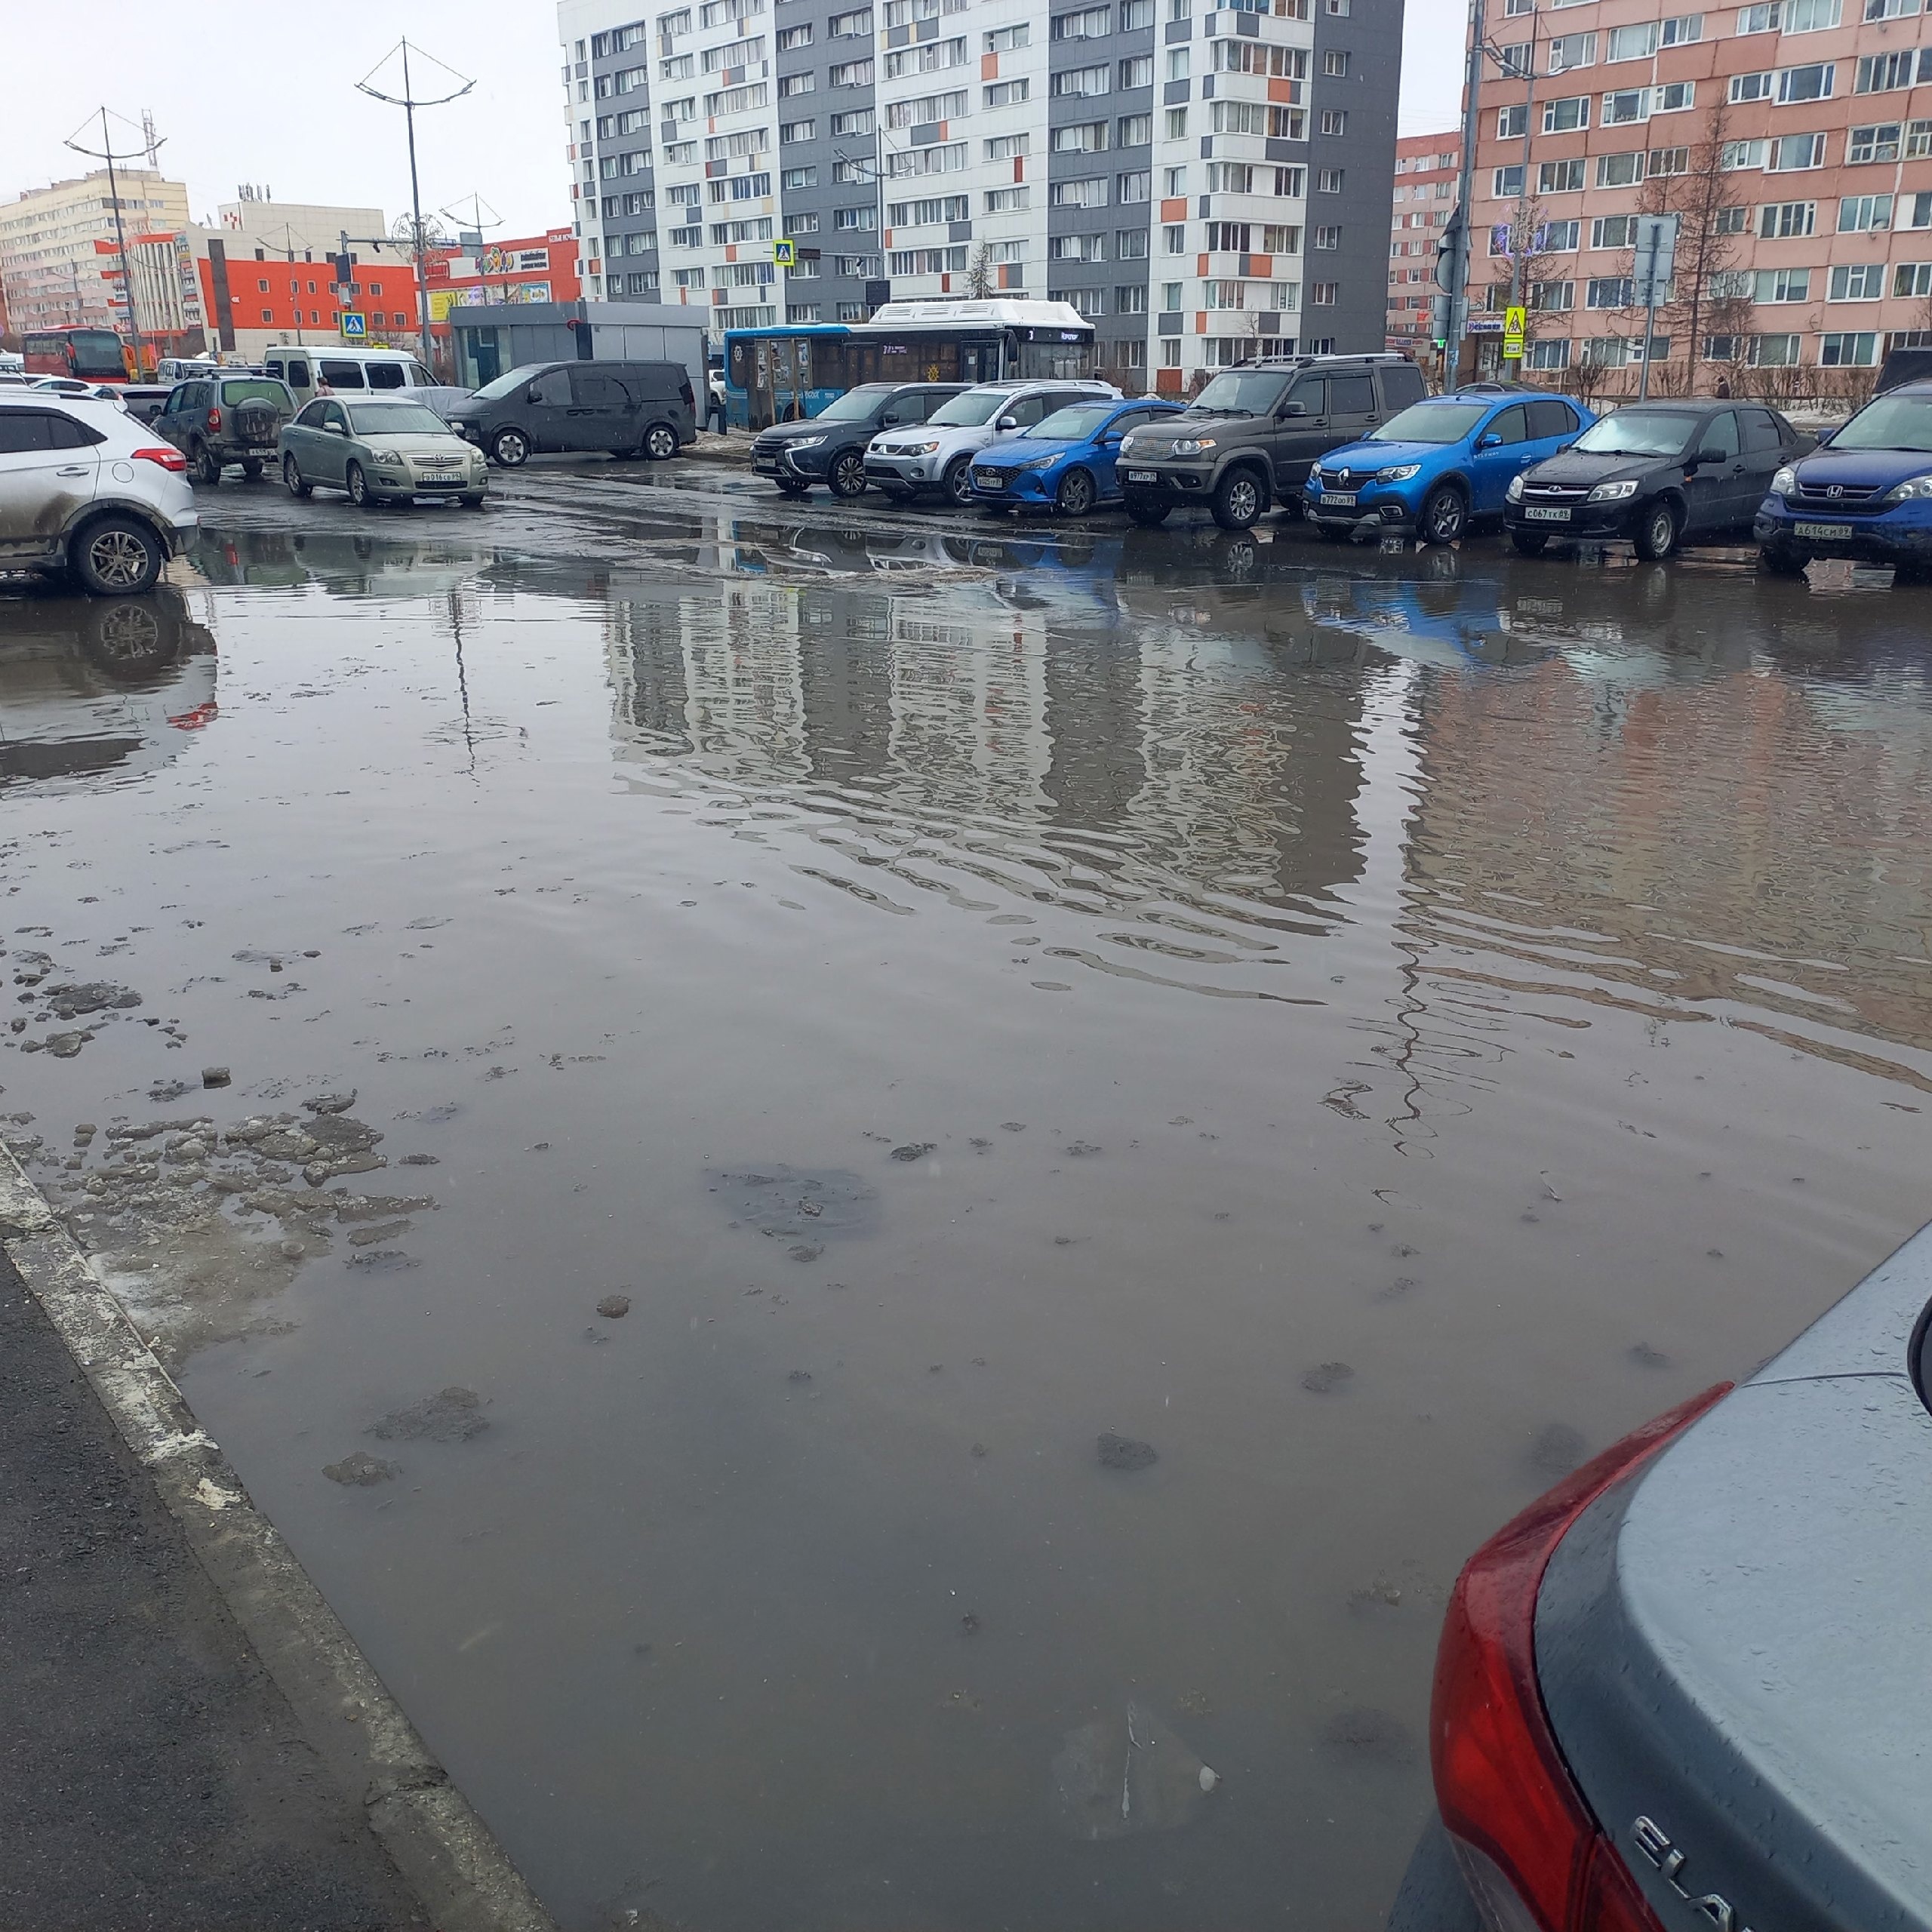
point(1124, 1102)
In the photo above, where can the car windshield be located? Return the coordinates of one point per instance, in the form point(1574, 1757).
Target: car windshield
point(1638, 432)
point(508, 384)
point(967, 411)
point(1892, 422)
point(855, 405)
point(1241, 393)
point(1074, 423)
point(396, 419)
point(1431, 422)
point(263, 391)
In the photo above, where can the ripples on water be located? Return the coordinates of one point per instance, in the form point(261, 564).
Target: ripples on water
point(1370, 1027)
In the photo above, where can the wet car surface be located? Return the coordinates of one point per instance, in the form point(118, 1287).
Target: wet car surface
point(1138, 1092)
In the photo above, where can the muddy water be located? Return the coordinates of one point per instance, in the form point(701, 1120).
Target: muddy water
point(1358, 1032)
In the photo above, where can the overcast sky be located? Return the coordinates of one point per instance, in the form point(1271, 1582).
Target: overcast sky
point(266, 93)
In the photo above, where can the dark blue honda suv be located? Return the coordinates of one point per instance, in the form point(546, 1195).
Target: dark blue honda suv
point(1866, 491)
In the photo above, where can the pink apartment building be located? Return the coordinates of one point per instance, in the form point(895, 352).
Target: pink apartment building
point(1793, 140)
point(1424, 197)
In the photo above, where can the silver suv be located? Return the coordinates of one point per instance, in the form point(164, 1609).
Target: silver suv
point(1252, 435)
point(937, 453)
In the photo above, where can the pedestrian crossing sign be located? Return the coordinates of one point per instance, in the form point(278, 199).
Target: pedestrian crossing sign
point(1513, 319)
point(354, 324)
point(785, 253)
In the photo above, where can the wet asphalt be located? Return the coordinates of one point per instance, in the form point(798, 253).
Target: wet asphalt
point(885, 1193)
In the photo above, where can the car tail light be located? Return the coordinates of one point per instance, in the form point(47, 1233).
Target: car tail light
point(1529, 1845)
point(166, 455)
point(214, 422)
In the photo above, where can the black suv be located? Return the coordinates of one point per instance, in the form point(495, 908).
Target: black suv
point(830, 446)
point(1660, 473)
point(1252, 435)
point(628, 408)
point(216, 420)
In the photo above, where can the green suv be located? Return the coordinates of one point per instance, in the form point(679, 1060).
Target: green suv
point(1249, 437)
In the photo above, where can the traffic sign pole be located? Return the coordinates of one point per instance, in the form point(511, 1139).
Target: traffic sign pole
point(1513, 331)
point(1655, 258)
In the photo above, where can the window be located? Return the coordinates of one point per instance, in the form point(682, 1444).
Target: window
point(1667, 161)
point(797, 130)
point(859, 122)
point(1912, 278)
point(930, 108)
point(1089, 193)
point(1735, 220)
point(1009, 147)
point(1848, 351)
point(947, 160)
point(1130, 301)
point(1808, 83)
point(1673, 96)
point(1079, 80)
point(1335, 64)
point(1137, 72)
point(1561, 177)
point(800, 177)
point(926, 261)
point(1237, 117)
point(1572, 50)
point(1005, 40)
point(1328, 180)
point(1135, 187)
point(792, 85)
point(1782, 285)
point(1774, 352)
point(1554, 354)
point(851, 173)
point(1885, 73)
point(1921, 212)
point(1324, 294)
point(1076, 247)
point(734, 100)
point(857, 73)
point(1731, 285)
point(1173, 240)
point(1613, 231)
point(1634, 43)
point(1136, 131)
point(1882, 142)
point(1506, 184)
point(1131, 245)
point(1734, 156)
point(1552, 297)
point(1514, 62)
point(927, 213)
point(1864, 214)
point(1080, 138)
point(1791, 152)
point(1566, 116)
point(1751, 86)
point(1620, 170)
point(1176, 123)
point(847, 218)
point(1334, 121)
point(934, 58)
point(1170, 293)
point(1512, 123)
point(1632, 104)
point(1858, 281)
point(1609, 292)
point(790, 38)
point(1089, 23)
point(678, 154)
point(856, 26)
point(1137, 16)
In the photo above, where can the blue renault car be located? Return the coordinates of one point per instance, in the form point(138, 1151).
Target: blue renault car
point(1441, 465)
point(1066, 461)
point(1866, 491)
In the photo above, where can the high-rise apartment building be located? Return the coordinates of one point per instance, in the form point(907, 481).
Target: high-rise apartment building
point(1425, 198)
point(53, 271)
point(1793, 140)
point(1203, 180)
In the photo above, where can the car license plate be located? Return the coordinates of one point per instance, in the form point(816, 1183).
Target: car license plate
point(989, 479)
point(1544, 513)
point(1143, 476)
point(766, 468)
point(1821, 532)
point(1340, 500)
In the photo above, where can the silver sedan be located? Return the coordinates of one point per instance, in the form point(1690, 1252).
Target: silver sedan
point(379, 452)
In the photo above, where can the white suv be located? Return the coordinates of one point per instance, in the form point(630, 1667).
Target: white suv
point(937, 453)
point(86, 487)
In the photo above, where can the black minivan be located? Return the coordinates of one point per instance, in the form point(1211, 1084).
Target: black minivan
point(628, 408)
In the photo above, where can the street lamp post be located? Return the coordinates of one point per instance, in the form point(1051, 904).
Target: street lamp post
point(408, 102)
point(105, 153)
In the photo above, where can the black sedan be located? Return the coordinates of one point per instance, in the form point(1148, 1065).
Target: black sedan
point(1660, 474)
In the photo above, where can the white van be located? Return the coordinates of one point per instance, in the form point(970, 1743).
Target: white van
point(346, 370)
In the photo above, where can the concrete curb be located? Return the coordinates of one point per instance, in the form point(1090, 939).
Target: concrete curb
point(444, 1851)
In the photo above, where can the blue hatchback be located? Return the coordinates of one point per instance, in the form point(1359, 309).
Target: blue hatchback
point(1441, 464)
point(1065, 462)
point(1866, 491)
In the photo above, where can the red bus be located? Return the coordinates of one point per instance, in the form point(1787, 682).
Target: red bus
point(94, 356)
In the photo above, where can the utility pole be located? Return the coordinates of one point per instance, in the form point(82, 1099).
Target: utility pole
point(1519, 239)
point(407, 101)
point(105, 153)
point(1458, 282)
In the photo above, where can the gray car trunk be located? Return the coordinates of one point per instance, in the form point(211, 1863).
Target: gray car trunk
point(1733, 1645)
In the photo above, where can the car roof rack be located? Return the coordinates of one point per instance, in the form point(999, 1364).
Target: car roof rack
point(1303, 362)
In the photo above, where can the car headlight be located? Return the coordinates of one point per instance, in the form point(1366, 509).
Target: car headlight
point(1126, 444)
point(1914, 488)
point(919, 449)
point(804, 442)
point(1194, 445)
point(1038, 462)
point(1401, 473)
point(1514, 492)
point(389, 458)
point(1785, 481)
point(1613, 493)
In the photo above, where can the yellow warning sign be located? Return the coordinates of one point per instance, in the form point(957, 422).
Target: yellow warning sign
point(1513, 321)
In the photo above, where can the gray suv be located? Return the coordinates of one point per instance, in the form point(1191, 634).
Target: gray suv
point(1250, 437)
point(628, 408)
point(214, 421)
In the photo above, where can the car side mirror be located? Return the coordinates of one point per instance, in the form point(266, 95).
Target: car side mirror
point(1709, 454)
point(1292, 409)
point(335, 429)
point(1824, 436)
point(890, 420)
point(530, 396)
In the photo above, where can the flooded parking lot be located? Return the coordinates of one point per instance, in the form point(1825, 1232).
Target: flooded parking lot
point(891, 1198)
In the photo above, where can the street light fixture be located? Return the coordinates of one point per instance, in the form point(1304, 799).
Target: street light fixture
point(409, 103)
point(105, 153)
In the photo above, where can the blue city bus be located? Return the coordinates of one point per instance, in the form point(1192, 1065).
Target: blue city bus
point(783, 374)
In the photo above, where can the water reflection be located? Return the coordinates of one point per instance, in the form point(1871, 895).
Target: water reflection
point(95, 687)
